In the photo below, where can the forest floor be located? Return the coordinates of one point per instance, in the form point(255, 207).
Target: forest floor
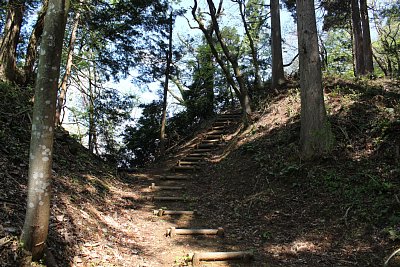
point(342, 209)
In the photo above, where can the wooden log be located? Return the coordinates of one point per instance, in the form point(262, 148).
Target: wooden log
point(171, 232)
point(153, 198)
point(187, 158)
point(221, 123)
point(174, 177)
point(213, 137)
point(202, 155)
point(153, 186)
point(216, 132)
point(189, 163)
point(221, 256)
point(201, 150)
point(211, 141)
point(206, 146)
point(162, 212)
point(186, 168)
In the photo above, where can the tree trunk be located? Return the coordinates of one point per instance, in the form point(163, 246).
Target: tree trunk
point(278, 76)
point(368, 58)
point(165, 94)
point(68, 67)
point(244, 96)
point(357, 39)
point(35, 230)
point(315, 134)
point(31, 52)
point(9, 41)
point(254, 53)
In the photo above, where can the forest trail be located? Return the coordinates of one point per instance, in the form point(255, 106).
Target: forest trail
point(173, 192)
point(340, 210)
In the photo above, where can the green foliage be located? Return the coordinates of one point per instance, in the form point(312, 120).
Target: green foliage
point(339, 53)
point(388, 45)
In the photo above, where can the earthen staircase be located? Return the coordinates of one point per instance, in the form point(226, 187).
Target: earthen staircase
point(171, 187)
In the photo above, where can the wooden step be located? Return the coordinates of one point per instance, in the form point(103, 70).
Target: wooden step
point(220, 256)
point(215, 132)
point(186, 168)
point(190, 158)
point(189, 163)
point(203, 155)
point(206, 145)
point(161, 212)
point(201, 150)
point(213, 137)
point(222, 123)
point(171, 232)
point(218, 128)
point(211, 141)
point(175, 177)
point(154, 198)
point(153, 186)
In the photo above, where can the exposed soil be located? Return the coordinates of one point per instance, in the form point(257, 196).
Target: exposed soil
point(339, 210)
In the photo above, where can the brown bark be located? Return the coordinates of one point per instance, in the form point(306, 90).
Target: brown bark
point(278, 76)
point(165, 93)
point(315, 134)
point(358, 49)
point(254, 53)
point(35, 230)
point(31, 52)
point(9, 41)
point(233, 60)
point(368, 58)
point(68, 67)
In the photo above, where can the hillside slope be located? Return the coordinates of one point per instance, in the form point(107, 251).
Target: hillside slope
point(339, 210)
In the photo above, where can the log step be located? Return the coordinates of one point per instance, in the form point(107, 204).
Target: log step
point(201, 150)
point(171, 232)
point(222, 123)
point(213, 137)
point(153, 198)
point(161, 212)
point(175, 177)
point(209, 145)
point(186, 168)
point(220, 256)
point(211, 141)
point(199, 155)
point(190, 158)
point(189, 163)
point(215, 132)
point(153, 186)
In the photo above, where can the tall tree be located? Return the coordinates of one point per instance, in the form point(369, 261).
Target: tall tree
point(367, 46)
point(165, 92)
point(31, 52)
point(240, 88)
point(278, 76)
point(315, 134)
point(68, 67)
point(10, 38)
point(250, 29)
point(358, 48)
point(35, 230)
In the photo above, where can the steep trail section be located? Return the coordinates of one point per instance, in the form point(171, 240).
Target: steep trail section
point(175, 201)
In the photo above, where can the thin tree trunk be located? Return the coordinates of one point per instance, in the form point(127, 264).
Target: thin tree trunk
point(31, 52)
point(357, 39)
point(165, 94)
point(35, 230)
point(244, 96)
point(9, 41)
point(68, 67)
point(315, 134)
point(368, 59)
point(278, 76)
point(254, 53)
